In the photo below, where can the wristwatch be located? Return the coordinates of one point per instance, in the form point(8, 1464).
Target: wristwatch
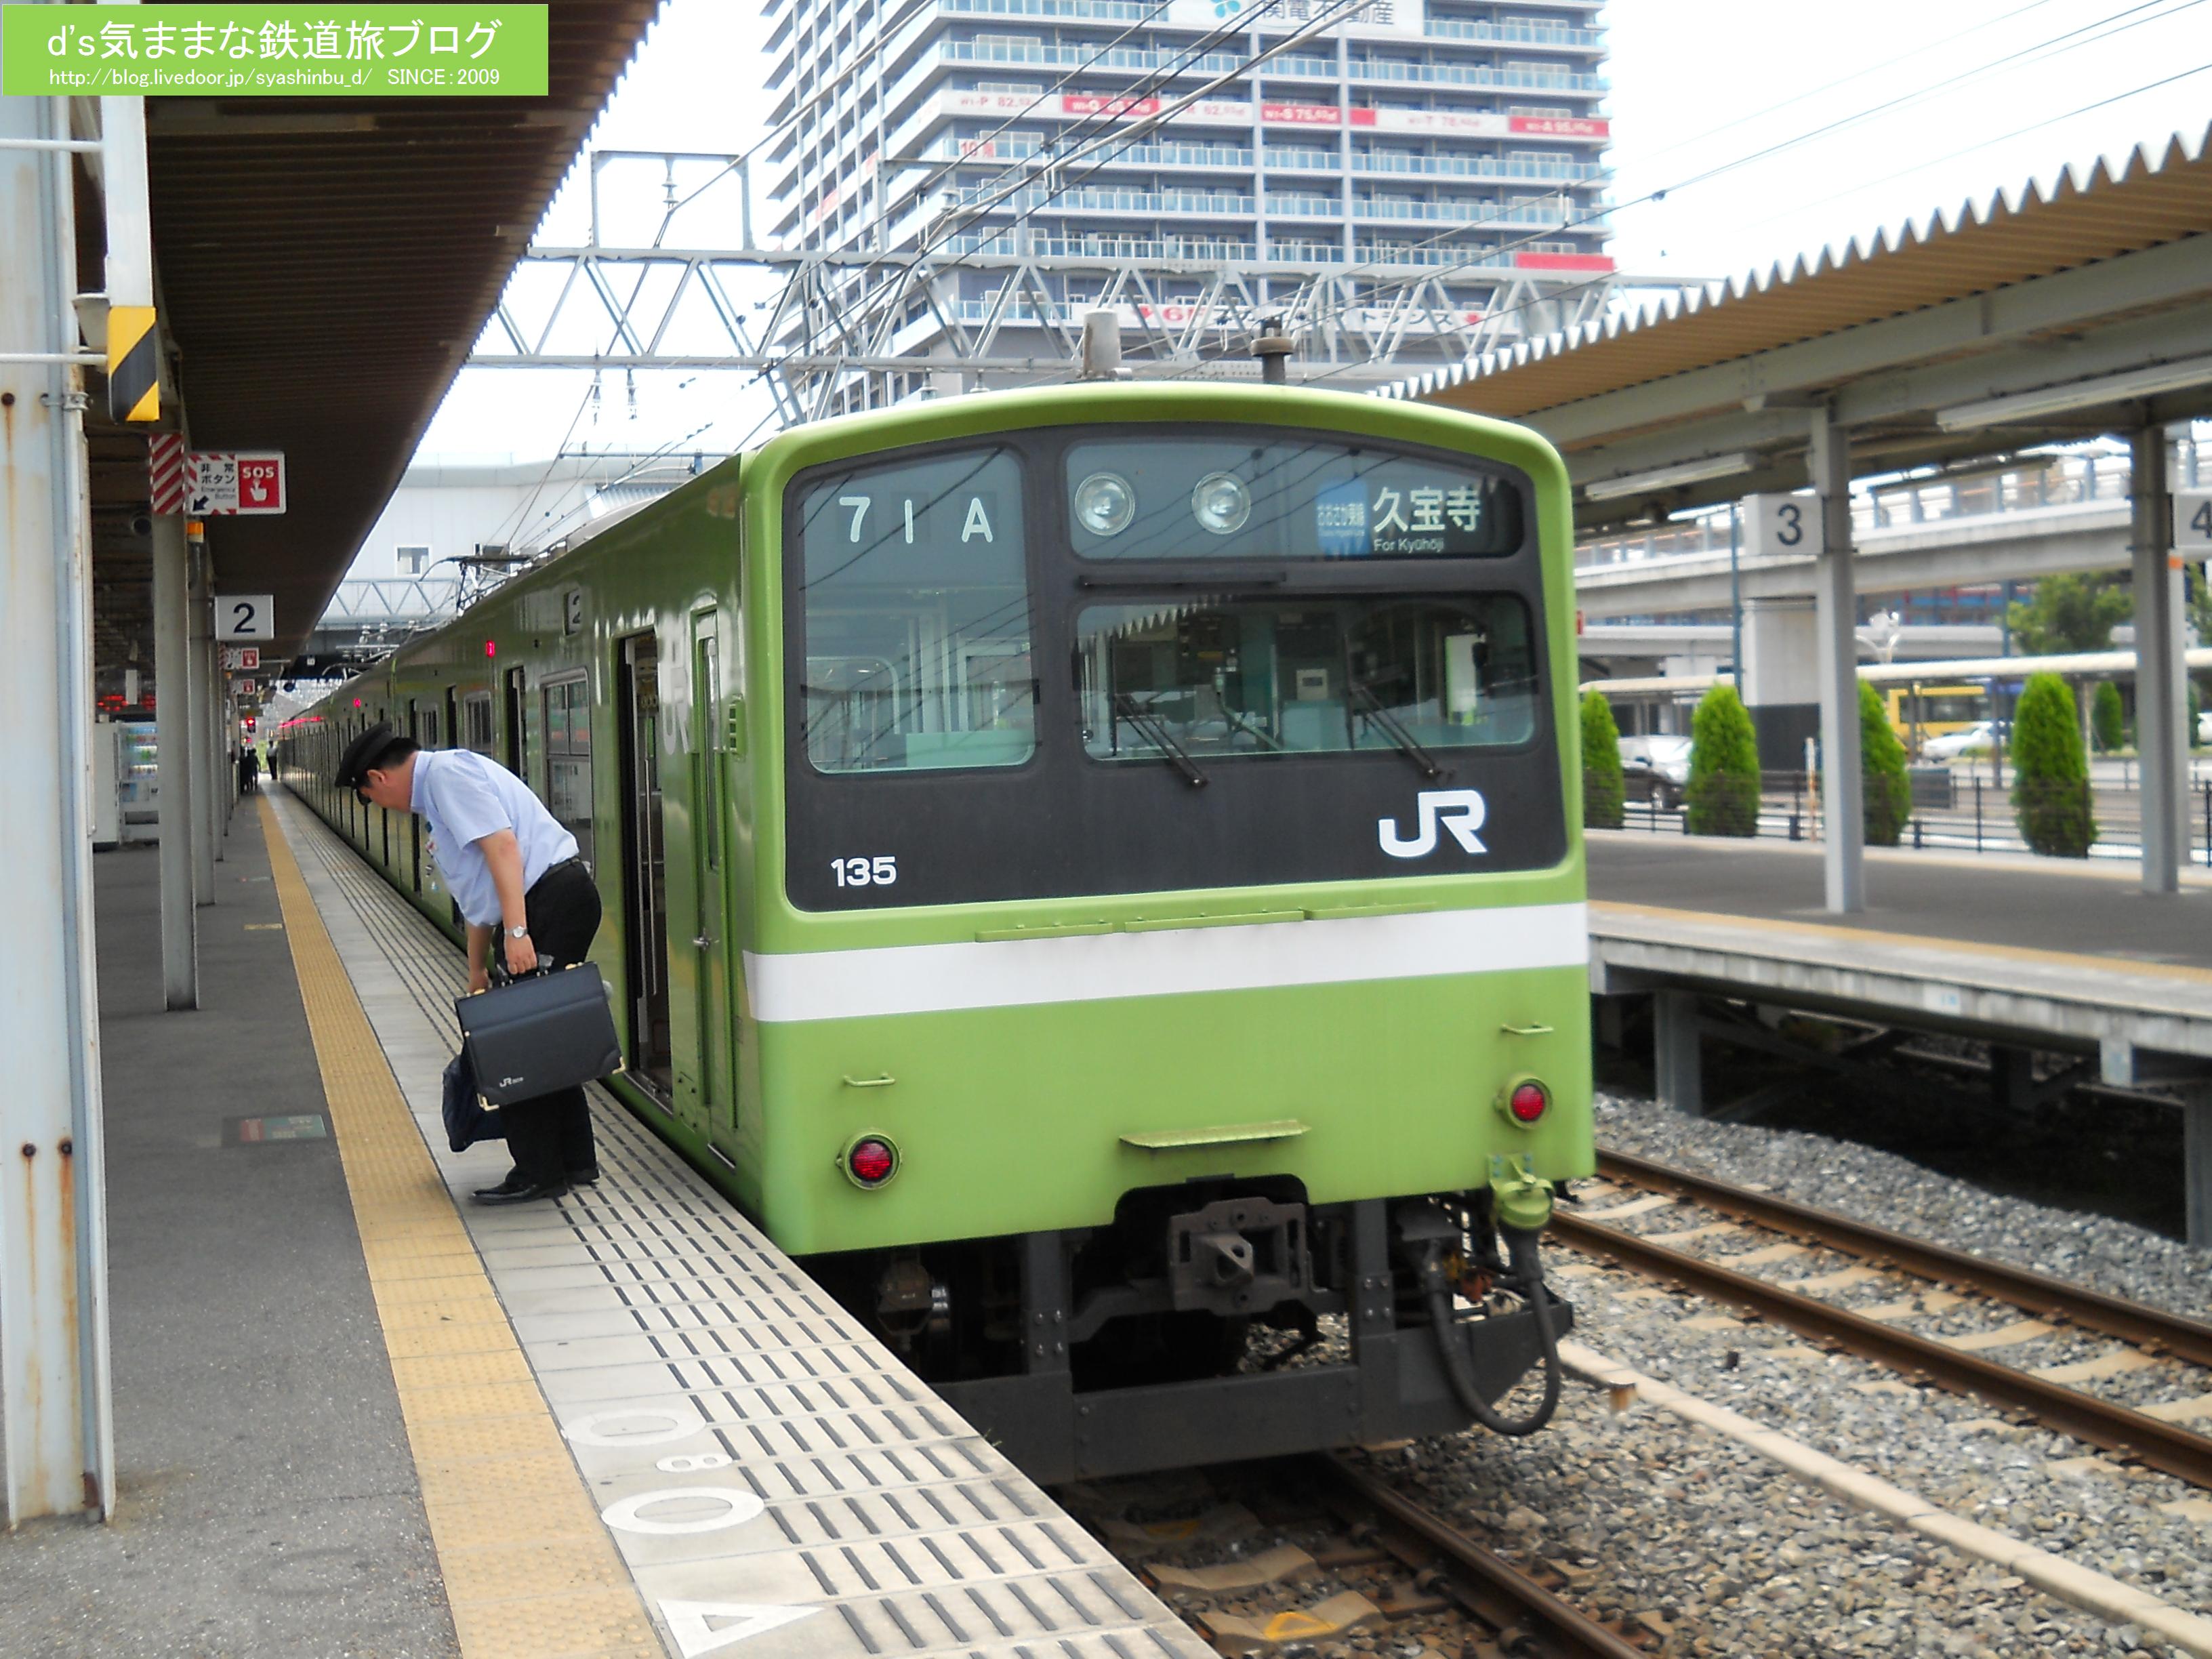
point(518, 932)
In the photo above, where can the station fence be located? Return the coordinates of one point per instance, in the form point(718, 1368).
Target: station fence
point(1973, 813)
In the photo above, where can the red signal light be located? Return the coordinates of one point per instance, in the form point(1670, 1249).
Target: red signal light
point(1528, 1101)
point(870, 1161)
point(491, 648)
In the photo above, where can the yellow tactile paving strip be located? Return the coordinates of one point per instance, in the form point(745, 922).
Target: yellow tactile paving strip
point(529, 1570)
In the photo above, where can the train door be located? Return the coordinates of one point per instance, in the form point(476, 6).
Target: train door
point(514, 707)
point(423, 727)
point(702, 1023)
point(645, 865)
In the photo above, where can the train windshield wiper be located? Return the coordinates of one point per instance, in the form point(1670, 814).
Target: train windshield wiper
point(1126, 708)
point(1401, 738)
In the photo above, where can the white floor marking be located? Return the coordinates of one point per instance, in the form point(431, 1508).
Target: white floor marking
point(736, 1507)
point(683, 1422)
point(687, 1623)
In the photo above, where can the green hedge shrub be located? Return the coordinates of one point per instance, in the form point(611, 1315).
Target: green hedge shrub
point(2050, 773)
point(2107, 721)
point(1724, 789)
point(1604, 796)
point(1888, 791)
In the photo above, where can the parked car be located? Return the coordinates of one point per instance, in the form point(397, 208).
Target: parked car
point(1977, 739)
point(2204, 727)
point(1656, 768)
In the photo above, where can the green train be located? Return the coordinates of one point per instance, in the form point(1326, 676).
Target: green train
point(1096, 873)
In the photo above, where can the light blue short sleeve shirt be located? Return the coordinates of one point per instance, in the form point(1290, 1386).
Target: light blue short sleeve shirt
point(465, 798)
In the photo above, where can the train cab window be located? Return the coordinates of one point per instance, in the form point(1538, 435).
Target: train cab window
point(568, 758)
point(1189, 497)
point(1282, 677)
point(915, 617)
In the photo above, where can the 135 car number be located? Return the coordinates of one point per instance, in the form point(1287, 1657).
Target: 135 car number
point(864, 872)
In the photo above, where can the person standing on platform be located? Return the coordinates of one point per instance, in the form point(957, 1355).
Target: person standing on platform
point(513, 869)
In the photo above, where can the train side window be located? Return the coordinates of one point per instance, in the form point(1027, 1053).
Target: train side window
point(567, 709)
point(476, 722)
point(915, 625)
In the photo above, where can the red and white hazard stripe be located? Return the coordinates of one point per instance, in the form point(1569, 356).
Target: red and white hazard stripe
point(165, 463)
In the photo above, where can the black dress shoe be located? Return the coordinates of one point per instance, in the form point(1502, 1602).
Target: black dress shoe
point(514, 1182)
point(584, 1175)
point(525, 1195)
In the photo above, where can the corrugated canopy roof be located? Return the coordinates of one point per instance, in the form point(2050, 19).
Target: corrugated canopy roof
point(325, 266)
point(2158, 195)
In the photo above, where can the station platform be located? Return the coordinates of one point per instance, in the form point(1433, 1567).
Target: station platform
point(356, 1415)
point(2026, 955)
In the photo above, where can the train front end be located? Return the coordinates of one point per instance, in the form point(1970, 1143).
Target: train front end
point(1167, 977)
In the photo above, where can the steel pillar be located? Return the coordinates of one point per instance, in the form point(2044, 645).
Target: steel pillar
point(173, 735)
point(1677, 1068)
point(2161, 691)
point(2196, 1164)
point(1843, 818)
point(205, 811)
point(55, 1426)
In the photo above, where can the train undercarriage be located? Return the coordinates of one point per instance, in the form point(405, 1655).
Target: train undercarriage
point(1214, 1321)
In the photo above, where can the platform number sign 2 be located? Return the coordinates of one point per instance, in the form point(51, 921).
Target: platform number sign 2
point(244, 616)
point(2192, 522)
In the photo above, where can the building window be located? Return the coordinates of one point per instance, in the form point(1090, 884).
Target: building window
point(413, 561)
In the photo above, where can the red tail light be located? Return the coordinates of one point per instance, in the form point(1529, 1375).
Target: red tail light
point(1528, 1101)
point(871, 1162)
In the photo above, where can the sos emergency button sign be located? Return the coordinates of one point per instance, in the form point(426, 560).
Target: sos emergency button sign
point(241, 482)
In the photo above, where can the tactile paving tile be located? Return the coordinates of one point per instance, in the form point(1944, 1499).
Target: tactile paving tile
point(777, 1481)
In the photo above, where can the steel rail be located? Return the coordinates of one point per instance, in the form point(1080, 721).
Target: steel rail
point(1497, 1591)
point(2115, 1429)
point(2151, 1329)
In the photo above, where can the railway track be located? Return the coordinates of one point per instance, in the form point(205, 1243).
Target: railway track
point(2125, 1433)
point(1367, 1563)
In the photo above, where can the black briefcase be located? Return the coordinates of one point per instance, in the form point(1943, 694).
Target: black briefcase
point(540, 1033)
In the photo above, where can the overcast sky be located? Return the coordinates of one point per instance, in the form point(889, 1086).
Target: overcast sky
point(1764, 129)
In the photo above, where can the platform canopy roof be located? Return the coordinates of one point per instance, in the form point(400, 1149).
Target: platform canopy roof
point(324, 267)
point(2040, 314)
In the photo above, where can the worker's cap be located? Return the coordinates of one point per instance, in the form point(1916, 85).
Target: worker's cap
point(362, 753)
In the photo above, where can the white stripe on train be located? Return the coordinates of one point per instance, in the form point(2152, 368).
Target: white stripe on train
point(926, 979)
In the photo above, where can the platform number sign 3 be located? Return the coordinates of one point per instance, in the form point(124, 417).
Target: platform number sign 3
point(244, 616)
point(2192, 522)
point(1781, 526)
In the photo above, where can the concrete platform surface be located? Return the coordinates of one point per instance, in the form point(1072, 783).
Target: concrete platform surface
point(268, 1505)
point(2047, 904)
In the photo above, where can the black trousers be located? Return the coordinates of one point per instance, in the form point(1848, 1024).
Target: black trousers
point(548, 1135)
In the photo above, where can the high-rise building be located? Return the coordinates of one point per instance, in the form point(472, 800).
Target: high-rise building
point(1440, 155)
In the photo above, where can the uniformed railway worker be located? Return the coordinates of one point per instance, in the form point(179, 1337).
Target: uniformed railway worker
point(514, 870)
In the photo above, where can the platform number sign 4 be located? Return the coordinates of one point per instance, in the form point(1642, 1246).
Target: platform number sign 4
point(2192, 522)
point(244, 616)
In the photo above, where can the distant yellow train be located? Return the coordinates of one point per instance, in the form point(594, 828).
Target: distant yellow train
point(1921, 712)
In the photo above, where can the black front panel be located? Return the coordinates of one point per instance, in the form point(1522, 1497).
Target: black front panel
point(1351, 718)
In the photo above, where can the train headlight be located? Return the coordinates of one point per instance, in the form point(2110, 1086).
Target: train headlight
point(1220, 503)
point(1523, 1101)
point(870, 1161)
point(1104, 503)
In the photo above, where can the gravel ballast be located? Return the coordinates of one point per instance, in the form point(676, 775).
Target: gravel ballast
point(1729, 1554)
